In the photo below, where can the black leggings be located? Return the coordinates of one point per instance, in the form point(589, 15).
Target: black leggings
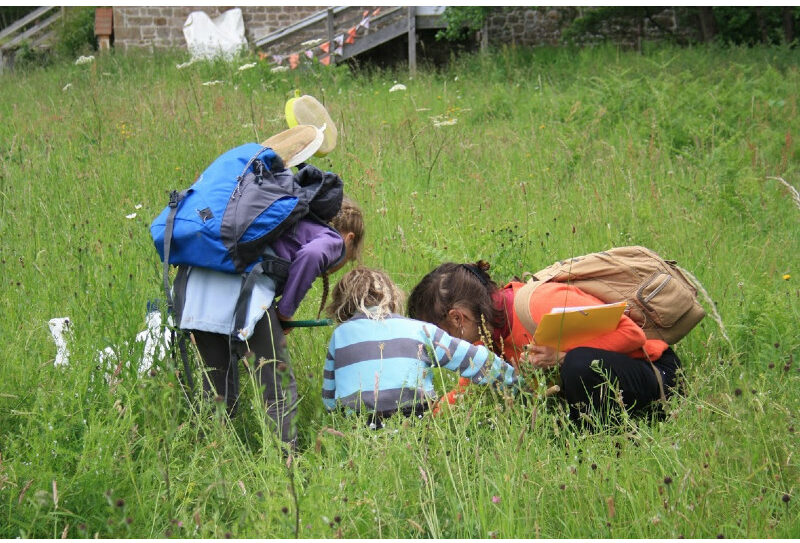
point(587, 372)
point(268, 342)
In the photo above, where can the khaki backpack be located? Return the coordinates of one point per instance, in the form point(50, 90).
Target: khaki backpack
point(660, 298)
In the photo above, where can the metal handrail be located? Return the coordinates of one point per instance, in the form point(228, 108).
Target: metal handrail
point(19, 38)
point(383, 27)
point(302, 24)
point(309, 21)
point(16, 25)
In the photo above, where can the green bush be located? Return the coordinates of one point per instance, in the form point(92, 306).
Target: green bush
point(28, 56)
point(76, 32)
point(748, 26)
point(461, 20)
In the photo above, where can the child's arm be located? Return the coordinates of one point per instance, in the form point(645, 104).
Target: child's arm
point(329, 380)
point(311, 260)
point(474, 362)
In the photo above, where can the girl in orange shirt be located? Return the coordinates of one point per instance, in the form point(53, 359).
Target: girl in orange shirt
point(460, 297)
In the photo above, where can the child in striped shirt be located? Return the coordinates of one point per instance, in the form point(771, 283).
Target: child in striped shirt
point(381, 362)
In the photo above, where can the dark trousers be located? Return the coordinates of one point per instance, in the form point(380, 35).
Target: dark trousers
point(587, 373)
point(271, 365)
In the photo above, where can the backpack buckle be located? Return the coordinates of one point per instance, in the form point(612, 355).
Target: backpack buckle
point(174, 198)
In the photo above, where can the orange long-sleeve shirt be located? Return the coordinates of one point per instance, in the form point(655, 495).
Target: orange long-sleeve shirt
point(628, 338)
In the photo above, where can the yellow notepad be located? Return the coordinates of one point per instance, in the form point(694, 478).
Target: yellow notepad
point(570, 325)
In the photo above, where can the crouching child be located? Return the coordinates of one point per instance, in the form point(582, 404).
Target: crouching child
point(380, 362)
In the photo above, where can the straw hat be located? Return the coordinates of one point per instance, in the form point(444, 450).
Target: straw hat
point(307, 110)
point(296, 144)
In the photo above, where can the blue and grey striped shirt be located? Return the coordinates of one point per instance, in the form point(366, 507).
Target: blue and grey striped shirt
point(384, 365)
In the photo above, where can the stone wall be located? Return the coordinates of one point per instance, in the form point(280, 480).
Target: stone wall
point(162, 27)
point(532, 26)
point(528, 25)
point(154, 27)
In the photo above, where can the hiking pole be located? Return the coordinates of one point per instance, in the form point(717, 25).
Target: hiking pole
point(307, 323)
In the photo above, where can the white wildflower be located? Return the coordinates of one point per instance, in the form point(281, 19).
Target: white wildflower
point(138, 206)
point(67, 87)
point(398, 87)
point(244, 67)
point(212, 83)
point(131, 216)
point(446, 122)
point(280, 69)
point(84, 60)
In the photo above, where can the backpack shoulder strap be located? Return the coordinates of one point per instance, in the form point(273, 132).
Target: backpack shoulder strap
point(175, 199)
point(522, 304)
point(272, 265)
point(522, 298)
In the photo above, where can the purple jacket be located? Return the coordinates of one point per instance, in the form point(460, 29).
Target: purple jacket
point(312, 249)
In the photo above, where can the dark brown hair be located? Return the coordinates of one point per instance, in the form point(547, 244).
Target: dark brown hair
point(450, 285)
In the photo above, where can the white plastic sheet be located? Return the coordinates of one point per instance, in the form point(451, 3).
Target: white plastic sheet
point(221, 36)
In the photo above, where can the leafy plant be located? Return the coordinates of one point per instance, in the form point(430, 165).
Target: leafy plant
point(752, 25)
point(26, 56)
point(76, 32)
point(461, 20)
point(613, 23)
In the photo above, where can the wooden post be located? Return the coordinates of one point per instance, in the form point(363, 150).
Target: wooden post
point(412, 40)
point(103, 27)
point(331, 45)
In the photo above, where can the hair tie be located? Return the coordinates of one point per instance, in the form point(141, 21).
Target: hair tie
point(470, 268)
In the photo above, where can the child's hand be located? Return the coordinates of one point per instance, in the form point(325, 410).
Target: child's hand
point(542, 356)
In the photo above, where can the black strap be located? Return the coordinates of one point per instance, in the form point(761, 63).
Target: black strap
point(175, 198)
point(273, 266)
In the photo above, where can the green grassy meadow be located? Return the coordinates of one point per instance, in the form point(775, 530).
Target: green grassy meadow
point(539, 155)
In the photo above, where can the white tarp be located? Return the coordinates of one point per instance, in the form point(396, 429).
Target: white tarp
point(220, 36)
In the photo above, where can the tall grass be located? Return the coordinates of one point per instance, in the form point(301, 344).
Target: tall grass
point(553, 153)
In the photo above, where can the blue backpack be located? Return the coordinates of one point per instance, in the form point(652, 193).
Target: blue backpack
point(238, 206)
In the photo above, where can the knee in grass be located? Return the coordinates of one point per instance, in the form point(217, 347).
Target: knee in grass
point(580, 363)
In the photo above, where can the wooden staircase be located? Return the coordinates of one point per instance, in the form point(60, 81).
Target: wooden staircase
point(36, 28)
point(342, 32)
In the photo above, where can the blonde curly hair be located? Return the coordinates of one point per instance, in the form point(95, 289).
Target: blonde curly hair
point(365, 290)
